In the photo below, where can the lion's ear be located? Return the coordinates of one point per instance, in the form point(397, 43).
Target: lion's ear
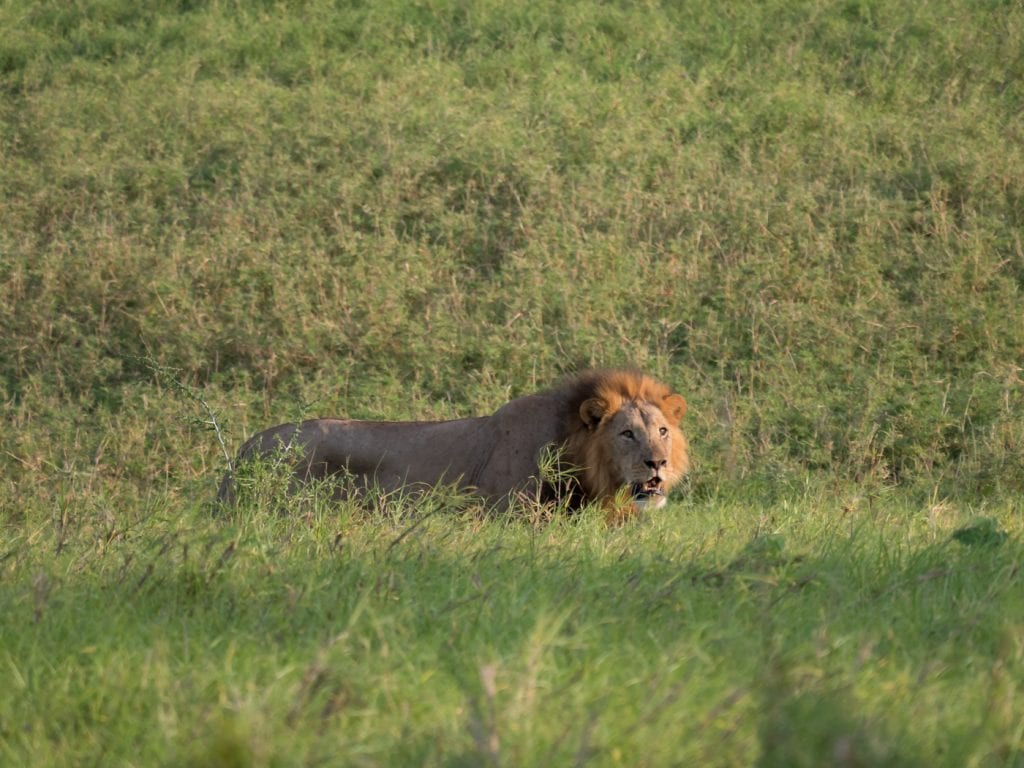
point(674, 408)
point(592, 411)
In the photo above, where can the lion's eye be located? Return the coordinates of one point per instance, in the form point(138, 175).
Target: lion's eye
point(628, 434)
point(663, 431)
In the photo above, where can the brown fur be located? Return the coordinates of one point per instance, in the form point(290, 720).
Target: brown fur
point(596, 397)
point(618, 428)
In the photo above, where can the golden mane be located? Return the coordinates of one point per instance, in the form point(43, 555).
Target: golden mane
point(593, 398)
point(615, 387)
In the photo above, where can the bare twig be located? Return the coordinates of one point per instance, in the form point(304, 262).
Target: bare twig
point(170, 376)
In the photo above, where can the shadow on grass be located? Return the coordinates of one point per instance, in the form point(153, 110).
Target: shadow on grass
point(766, 645)
point(813, 729)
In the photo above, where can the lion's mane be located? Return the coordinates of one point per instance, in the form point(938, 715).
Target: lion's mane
point(587, 444)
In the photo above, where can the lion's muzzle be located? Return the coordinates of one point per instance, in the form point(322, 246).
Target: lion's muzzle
point(649, 493)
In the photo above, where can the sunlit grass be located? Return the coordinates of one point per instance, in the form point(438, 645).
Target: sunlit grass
point(713, 633)
point(805, 216)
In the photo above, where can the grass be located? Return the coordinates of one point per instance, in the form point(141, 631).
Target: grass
point(715, 634)
point(806, 216)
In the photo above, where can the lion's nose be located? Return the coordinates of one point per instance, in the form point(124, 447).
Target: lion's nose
point(656, 465)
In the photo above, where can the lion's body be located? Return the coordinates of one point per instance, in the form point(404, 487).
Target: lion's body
point(499, 456)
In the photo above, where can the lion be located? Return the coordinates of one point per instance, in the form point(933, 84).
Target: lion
point(616, 430)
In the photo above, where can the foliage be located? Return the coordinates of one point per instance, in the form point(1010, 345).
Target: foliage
point(820, 630)
point(806, 216)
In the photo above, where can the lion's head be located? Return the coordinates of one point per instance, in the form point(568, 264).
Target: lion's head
point(624, 436)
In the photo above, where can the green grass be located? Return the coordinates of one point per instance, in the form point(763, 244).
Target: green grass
point(716, 634)
point(806, 216)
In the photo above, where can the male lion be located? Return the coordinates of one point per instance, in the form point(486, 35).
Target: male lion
point(616, 429)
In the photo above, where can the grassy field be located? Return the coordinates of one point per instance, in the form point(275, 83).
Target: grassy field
point(806, 216)
point(821, 631)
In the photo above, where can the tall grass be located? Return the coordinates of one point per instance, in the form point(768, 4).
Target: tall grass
point(806, 216)
point(821, 630)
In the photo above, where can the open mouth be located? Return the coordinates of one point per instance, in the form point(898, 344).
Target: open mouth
point(652, 487)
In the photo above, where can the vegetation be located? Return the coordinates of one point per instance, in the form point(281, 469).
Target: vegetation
point(806, 216)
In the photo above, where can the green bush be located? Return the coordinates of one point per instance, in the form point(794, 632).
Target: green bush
point(805, 216)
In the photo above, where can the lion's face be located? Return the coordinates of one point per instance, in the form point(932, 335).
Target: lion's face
point(637, 447)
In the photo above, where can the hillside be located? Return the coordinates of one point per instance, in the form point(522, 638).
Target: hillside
point(806, 216)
